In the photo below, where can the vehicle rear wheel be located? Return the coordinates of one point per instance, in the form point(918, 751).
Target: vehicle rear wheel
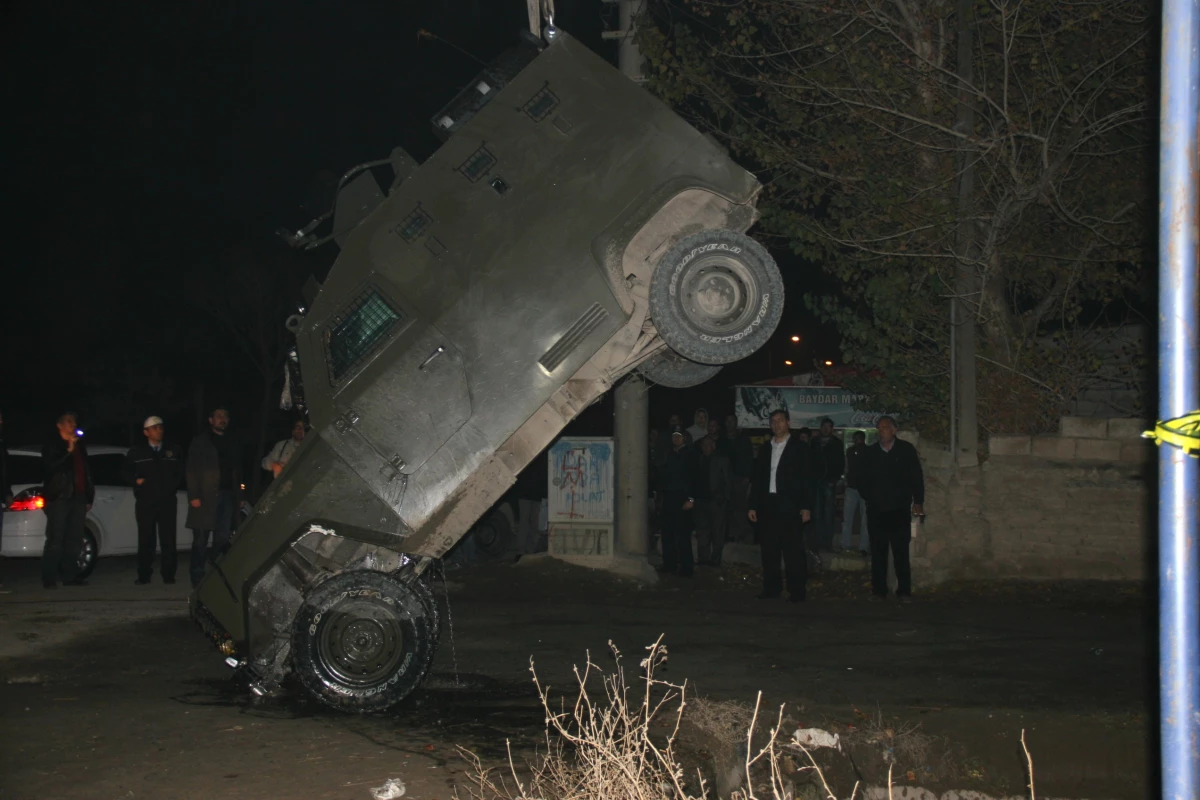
point(493, 535)
point(716, 297)
point(362, 641)
point(668, 368)
point(89, 551)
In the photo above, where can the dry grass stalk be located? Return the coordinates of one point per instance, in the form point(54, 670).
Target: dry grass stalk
point(601, 750)
point(771, 755)
point(607, 750)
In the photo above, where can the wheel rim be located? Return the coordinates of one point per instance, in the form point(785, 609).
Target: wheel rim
point(718, 294)
point(87, 553)
point(360, 643)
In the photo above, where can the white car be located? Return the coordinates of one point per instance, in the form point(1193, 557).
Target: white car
point(110, 528)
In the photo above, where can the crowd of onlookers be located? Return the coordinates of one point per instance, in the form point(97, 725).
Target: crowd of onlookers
point(211, 471)
point(708, 481)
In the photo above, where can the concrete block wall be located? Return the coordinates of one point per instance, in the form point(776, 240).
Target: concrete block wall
point(1073, 506)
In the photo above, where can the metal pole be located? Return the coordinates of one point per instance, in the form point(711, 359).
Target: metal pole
point(629, 57)
point(1178, 365)
point(953, 381)
point(631, 414)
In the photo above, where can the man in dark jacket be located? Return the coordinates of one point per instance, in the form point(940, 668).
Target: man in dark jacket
point(829, 457)
point(214, 485)
point(893, 485)
point(741, 459)
point(678, 499)
point(5, 485)
point(781, 501)
point(154, 469)
point(714, 483)
point(68, 492)
point(854, 503)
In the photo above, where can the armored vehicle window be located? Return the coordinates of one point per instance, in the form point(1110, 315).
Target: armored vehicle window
point(357, 330)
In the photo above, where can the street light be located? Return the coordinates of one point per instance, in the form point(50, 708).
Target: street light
point(787, 363)
point(795, 338)
point(829, 363)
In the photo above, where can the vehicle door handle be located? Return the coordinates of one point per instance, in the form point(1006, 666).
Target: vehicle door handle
point(432, 356)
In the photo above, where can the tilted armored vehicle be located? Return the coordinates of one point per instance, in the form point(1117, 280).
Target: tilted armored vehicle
point(570, 229)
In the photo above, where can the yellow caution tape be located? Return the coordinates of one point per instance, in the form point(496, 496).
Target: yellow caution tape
point(1183, 432)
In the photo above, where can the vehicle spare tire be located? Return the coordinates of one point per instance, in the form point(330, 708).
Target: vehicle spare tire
point(668, 368)
point(362, 641)
point(716, 296)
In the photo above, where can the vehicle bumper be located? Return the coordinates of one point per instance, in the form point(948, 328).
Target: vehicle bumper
point(24, 534)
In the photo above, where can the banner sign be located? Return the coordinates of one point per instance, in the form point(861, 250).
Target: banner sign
point(581, 480)
point(808, 405)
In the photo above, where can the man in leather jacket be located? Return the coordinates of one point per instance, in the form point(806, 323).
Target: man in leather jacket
point(69, 492)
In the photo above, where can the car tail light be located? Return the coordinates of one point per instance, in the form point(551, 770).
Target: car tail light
point(28, 500)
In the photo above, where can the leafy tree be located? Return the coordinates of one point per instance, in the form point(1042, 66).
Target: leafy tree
point(988, 151)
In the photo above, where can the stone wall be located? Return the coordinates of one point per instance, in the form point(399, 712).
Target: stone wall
point(1076, 505)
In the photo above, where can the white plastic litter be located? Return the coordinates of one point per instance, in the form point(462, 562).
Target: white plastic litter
point(815, 737)
point(389, 791)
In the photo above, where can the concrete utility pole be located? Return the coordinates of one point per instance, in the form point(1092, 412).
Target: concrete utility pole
point(966, 280)
point(631, 414)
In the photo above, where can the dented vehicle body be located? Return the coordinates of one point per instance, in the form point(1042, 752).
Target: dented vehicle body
point(498, 289)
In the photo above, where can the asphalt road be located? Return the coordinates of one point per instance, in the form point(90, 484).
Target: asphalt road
point(109, 691)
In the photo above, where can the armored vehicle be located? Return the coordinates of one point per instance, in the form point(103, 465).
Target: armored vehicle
point(570, 229)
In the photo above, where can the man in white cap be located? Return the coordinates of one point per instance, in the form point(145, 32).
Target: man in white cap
point(155, 469)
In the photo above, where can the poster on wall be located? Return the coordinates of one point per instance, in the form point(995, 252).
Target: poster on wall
point(808, 405)
point(581, 480)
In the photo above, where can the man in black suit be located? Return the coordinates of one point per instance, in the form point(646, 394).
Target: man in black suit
point(679, 483)
point(781, 501)
point(893, 485)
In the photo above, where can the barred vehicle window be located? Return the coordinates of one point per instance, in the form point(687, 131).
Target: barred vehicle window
point(358, 330)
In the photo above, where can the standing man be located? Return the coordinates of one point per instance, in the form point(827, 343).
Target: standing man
point(894, 487)
point(715, 487)
point(678, 499)
point(854, 502)
point(714, 433)
point(277, 458)
point(5, 484)
point(155, 470)
point(830, 457)
point(68, 492)
point(699, 428)
point(781, 500)
point(741, 458)
point(214, 485)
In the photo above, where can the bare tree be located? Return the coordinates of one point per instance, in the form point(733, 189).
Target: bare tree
point(999, 162)
point(252, 299)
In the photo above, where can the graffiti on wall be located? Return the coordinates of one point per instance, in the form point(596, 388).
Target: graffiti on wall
point(581, 480)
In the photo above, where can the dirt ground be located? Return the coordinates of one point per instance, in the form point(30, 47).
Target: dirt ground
point(109, 691)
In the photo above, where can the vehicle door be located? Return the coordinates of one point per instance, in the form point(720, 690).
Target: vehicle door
point(398, 386)
point(113, 507)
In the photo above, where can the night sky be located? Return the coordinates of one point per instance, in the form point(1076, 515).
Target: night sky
point(147, 144)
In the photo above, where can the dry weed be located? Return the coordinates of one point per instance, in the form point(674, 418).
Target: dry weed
point(601, 750)
point(617, 748)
